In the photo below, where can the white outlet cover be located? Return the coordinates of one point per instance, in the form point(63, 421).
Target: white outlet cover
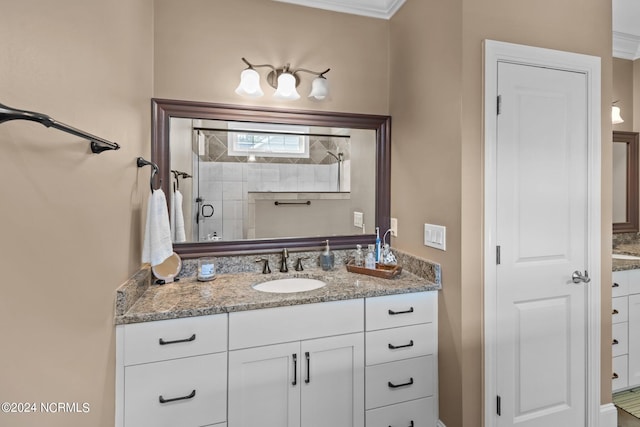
point(394, 227)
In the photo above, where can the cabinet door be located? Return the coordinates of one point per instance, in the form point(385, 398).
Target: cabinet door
point(634, 340)
point(264, 386)
point(333, 381)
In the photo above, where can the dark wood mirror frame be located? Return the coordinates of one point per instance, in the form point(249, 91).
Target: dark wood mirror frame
point(631, 139)
point(162, 110)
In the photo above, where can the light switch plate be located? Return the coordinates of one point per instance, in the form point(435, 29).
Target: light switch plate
point(435, 236)
point(358, 219)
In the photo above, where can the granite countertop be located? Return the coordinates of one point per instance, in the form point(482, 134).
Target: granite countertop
point(139, 301)
point(626, 249)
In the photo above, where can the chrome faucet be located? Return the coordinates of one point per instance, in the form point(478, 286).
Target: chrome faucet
point(283, 261)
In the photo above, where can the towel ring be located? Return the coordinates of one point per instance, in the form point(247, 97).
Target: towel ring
point(141, 163)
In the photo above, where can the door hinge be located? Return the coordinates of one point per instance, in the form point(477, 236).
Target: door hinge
point(498, 404)
point(497, 255)
point(499, 104)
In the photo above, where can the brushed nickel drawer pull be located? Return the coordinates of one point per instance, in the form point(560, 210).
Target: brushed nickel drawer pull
point(394, 347)
point(393, 313)
point(614, 376)
point(392, 385)
point(191, 338)
point(308, 379)
point(189, 396)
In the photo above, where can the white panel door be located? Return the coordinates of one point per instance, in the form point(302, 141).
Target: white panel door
point(541, 231)
point(333, 381)
point(264, 386)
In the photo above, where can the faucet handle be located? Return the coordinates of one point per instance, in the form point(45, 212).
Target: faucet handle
point(299, 263)
point(265, 266)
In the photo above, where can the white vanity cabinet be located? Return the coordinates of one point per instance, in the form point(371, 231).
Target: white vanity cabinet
point(172, 373)
point(297, 366)
point(401, 360)
point(626, 329)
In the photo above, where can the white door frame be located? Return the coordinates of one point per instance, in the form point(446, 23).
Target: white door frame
point(495, 52)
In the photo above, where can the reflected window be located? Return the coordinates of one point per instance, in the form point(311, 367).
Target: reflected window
point(267, 139)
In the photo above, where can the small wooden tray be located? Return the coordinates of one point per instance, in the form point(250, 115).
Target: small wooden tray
point(382, 270)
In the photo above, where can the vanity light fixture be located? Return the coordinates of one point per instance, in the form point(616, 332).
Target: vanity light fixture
point(615, 114)
point(283, 79)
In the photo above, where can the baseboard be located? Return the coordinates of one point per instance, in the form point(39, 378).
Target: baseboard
point(441, 424)
point(608, 415)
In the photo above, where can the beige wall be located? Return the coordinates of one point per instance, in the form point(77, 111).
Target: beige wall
point(623, 86)
point(444, 41)
point(199, 44)
point(71, 220)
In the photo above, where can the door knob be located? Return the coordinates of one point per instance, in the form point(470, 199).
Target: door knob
point(577, 277)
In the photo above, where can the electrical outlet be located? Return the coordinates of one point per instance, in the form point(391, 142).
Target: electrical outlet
point(435, 236)
point(358, 219)
point(394, 227)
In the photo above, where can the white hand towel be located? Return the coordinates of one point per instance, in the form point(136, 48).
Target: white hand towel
point(172, 216)
point(157, 236)
point(179, 233)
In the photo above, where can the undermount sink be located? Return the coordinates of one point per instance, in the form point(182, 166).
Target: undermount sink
point(286, 286)
point(625, 257)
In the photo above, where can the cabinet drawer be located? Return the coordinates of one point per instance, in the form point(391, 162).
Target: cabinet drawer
point(194, 390)
point(400, 310)
point(397, 382)
point(620, 284)
point(388, 345)
point(619, 309)
point(633, 281)
point(417, 413)
point(294, 323)
point(620, 340)
point(620, 373)
point(171, 339)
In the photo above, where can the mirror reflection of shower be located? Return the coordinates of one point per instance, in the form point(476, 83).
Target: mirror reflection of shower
point(338, 157)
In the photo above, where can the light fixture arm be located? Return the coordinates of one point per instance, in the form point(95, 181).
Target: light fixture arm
point(252, 66)
point(315, 73)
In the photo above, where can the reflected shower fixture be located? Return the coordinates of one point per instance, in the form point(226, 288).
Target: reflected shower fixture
point(283, 79)
point(615, 114)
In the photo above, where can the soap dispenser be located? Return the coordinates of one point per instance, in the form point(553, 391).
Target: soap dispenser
point(326, 258)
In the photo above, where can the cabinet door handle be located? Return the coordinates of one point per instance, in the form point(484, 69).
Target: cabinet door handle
point(614, 376)
point(295, 369)
point(392, 385)
point(189, 396)
point(393, 313)
point(410, 425)
point(393, 347)
point(191, 338)
point(615, 285)
point(615, 341)
point(615, 311)
point(308, 379)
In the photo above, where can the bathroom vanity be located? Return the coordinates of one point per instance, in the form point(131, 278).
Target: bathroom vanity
point(626, 326)
point(360, 351)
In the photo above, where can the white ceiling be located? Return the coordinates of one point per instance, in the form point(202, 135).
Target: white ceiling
point(626, 18)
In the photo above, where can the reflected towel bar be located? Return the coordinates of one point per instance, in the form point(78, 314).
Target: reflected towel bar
point(308, 202)
point(98, 145)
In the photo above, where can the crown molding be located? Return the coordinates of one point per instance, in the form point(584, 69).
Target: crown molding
point(626, 46)
point(382, 9)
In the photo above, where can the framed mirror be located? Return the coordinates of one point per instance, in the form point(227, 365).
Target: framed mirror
point(625, 182)
point(256, 180)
